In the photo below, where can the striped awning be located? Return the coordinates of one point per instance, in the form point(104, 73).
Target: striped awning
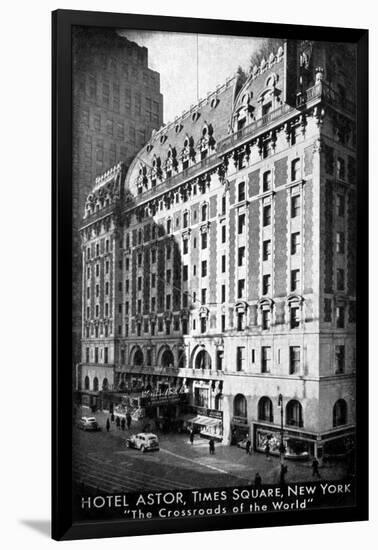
point(204, 420)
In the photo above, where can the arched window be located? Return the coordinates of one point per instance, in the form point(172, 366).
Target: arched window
point(265, 409)
point(203, 360)
point(138, 358)
point(294, 416)
point(105, 384)
point(95, 383)
point(339, 413)
point(240, 405)
point(167, 359)
point(86, 383)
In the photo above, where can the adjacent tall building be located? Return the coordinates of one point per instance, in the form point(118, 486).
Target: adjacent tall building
point(221, 265)
point(116, 105)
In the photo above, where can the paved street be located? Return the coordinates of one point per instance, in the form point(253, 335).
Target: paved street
point(102, 461)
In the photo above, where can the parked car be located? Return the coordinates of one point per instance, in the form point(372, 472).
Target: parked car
point(88, 423)
point(143, 442)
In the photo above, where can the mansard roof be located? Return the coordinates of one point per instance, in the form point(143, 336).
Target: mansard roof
point(216, 113)
point(214, 110)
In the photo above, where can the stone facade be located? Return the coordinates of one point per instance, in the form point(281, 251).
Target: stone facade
point(231, 263)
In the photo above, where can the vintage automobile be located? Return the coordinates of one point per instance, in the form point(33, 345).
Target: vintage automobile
point(143, 442)
point(88, 423)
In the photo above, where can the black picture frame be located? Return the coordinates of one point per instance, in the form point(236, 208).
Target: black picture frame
point(63, 527)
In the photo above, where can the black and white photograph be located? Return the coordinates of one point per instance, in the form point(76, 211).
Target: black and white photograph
point(214, 266)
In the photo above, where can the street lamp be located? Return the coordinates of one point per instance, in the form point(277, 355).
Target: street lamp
point(282, 446)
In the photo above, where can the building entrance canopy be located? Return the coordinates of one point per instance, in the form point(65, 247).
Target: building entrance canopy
point(204, 420)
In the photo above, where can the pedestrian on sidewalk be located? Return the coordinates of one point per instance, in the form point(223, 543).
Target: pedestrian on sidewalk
point(112, 417)
point(211, 447)
point(107, 425)
point(315, 468)
point(128, 420)
point(258, 480)
point(118, 422)
point(191, 437)
point(248, 447)
point(123, 424)
point(283, 473)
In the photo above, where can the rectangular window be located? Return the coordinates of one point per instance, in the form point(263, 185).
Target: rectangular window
point(240, 358)
point(266, 284)
point(87, 355)
point(240, 321)
point(340, 242)
point(168, 301)
point(185, 219)
point(153, 303)
point(241, 191)
point(265, 319)
point(294, 317)
point(139, 283)
point(295, 206)
point(185, 246)
point(340, 168)
point(265, 359)
point(241, 256)
point(223, 294)
point(241, 223)
point(340, 359)
point(340, 279)
point(267, 181)
point(241, 288)
point(267, 215)
point(203, 240)
point(223, 263)
point(253, 356)
point(168, 276)
point(126, 308)
point(295, 169)
point(203, 296)
point(223, 205)
point(139, 306)
point(295, 359)
point(184, 272)
point(223, 323)
point(127, 285)
point(185, 300)
point(203, 325)
point(327, 310)
point(267, 249)
point(203, 268)
point(184, 324)
point(294, 280)
point(194, 270)
point(295, 243)
point(223, 233)
point(340, 316)
point(96, 355)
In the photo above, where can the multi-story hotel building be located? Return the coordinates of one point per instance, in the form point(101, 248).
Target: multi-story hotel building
point(116, 105)
point(221, 266)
